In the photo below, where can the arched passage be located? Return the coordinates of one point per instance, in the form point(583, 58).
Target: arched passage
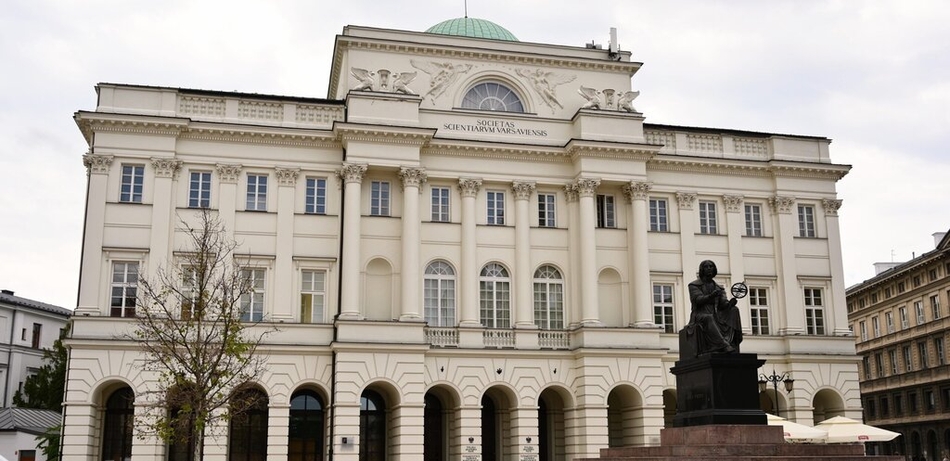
point(624, 417)
point(773, 402)
point(496, 424)
point(669, 407)
point(441, 425)
point(552, 431)
point(307, 426)
point(827, 404)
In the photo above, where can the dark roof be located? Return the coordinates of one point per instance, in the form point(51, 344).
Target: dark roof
point(28, 420)
point(7, 297)
point(231, 94)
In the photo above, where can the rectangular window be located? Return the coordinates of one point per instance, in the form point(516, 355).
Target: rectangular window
point(898, 404)
point(864, 330)
point(887, 293)
point(892, 356)
point(879, 364)
point(876, 327)
point(658, 216)
point(315, 201)
point(759, 310)
point(496, 208)
point(199, 189)
point(916, 281)
point(929, 402)
point(900, 287)
point(806, 221)
point(440, 204)
point(908, 359)
point(707, 218)
point(663, 306)
point(870, 408)
point(312, 296)
point(935, 306)
point(132, 178)
point(889, 320)
point(189, 294)
point(866, 362)
point(256, 192)
point(753, 220)
point(932, 275)
point(379, 198)
point(37, 328)
point(938, 348)
point(605, 211)
point(919, 310)
point(873, 297)
point(814, 312)
point(546, 216)
point(252, 303)
point(125, 279)
point(885, 410)
point(922, 353)
point(903, 314)
point(912, 402)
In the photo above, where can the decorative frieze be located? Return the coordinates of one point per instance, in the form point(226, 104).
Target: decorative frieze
point(352, 172)
point(287, 176)
point(570, 192)
point(522, 189)
point(608, 99)
point(442, 75)
point(733, 203)
point(97, 164)
point(781, 204)
point(412, 176)
point(685, 200)
point(586, 187)
point(636, 190)
point(228, 173)
point(545, 83)
point(469, 187)
point(831, 206)
point(166, 167)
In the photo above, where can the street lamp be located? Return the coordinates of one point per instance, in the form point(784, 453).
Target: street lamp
point(775, 378)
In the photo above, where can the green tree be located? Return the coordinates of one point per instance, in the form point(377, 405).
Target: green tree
point(189, 326)
point(44, 389)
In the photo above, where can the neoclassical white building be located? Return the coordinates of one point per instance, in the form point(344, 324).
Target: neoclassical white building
point(473, 249)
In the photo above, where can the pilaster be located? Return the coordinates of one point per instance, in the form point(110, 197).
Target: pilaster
point(688, 260)
point(228, 177)
point(412, 180)
point(638, 223)
point(786, 227)
point(351, 175)
point(284, 298)
point(734, 229)
point(97, 173)
point(468, 189)
point(573, 249)
point(523, 276)
point(163, 199)
point(590, 312)
point(838, 300)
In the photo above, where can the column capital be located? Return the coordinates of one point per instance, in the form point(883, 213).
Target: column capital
point(287, 176)
point(570, 192)
point(97, 164)
point(586, 187)
point(831, 206)
point(523, 189)
point(228, 173)
point(685, 200)
point(352, 172)
point(636, 190)
point(412, 176)
point(166, 167)
point(469, 186)
point(781, 204)
point(733, 203)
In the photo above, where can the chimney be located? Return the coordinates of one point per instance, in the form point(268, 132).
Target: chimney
point(884, 267)
point(938, 236)
point(7, 292)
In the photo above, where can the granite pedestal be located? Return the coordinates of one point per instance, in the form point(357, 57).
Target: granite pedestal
point(718, 389)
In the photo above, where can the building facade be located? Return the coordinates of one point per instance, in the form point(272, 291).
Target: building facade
point(901, 324)
point(474, 248)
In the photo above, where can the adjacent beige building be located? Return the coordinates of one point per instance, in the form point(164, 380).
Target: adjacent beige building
point(474, 249)
point(901, 322)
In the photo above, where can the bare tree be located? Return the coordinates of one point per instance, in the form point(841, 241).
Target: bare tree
point(196, 330)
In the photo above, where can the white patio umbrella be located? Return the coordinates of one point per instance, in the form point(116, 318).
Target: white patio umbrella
point(795, 432)
point(846, 430)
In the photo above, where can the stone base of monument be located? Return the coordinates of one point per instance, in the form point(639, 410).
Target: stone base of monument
point(735, 443)
point(718, 389)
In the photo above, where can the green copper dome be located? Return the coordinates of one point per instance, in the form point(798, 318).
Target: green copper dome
point(471, 27)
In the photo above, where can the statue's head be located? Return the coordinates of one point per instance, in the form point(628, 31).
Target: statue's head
point(707, 269)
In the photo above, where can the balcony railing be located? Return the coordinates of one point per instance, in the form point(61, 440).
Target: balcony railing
point(554, 339)
point(443, 337)
point(498, 338)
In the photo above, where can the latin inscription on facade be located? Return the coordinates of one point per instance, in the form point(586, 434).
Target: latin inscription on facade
point(494, 127)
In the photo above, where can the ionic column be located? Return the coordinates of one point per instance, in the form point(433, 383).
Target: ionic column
point(690, 263)
point(637, 226)
point(734, 230)
point(573, 252)
point(590, 312)
point(785, 225)
point(523, 277)
point(412, 179)
point(838, 300)
point(284, 297)
point(351, 175)
point(97, 173)
point(228, 176)
point(166, 172)
point(468, 188)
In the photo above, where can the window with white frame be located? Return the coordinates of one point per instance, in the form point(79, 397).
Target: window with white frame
point(892, 356)
point(889, 321)
point(759, 310)
point(133, 176)
point(659, 220)
point(496, 207)
point(908, 358)
point(252, 302)
point(663, 306)
point(814, 312)
point(938, 348)
point(379, 198)
point(919, 310)
point(707, 218)
point(125, 280)
point(439, 294)
point(440, 204)
point(548, 298)
point(199, 189)
point(935, 306)
point(876, 327)
point(806, 221)
point(753, 220)
point(315, 199)
point(191, 304)
point(903, 314)
point(256, 192)
point(606, 216)
point(494, 296)
point(864, 330)
point(313, 295)
point(546, 213)
point(922, 353)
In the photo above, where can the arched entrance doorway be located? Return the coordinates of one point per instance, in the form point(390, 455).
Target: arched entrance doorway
point(827, 404)
point(441, 424)
point(306, 427)
point(552, 436)
point(496, 423)
point(372, 426)
point(624, 417)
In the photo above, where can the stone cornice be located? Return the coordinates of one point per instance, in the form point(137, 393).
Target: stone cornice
point(747, 168)
point(620, 151)
point(809, 170)
point(95, 122)
point(380, 134)
point(262, 135)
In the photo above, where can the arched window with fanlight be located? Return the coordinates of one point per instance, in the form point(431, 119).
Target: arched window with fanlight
point(492, 96)
point(305, 439)
point(548, 298)
point(248, 437)
point(494, 296)
point(439, 294)
point(117, 427)
point(372, 426)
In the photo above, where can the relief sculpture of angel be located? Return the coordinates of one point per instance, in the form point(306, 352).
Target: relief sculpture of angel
point(442, 74)
point(592, 96)
point(401, 83)
point(545, 83)
point(365, 77)
point(626, 101)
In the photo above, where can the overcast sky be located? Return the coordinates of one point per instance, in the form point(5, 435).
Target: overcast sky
point(874, 76)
